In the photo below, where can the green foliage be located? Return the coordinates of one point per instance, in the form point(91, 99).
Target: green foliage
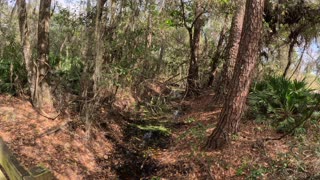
point(251, 171)
point(190, 120)
point(225, 1)
point(68, 72)
point(161, 129)
point(241, 170)
point(197, 132)
point(156, 106)
point(257, 173)
point(12, 70)
point(5, 84)
point(286, 103)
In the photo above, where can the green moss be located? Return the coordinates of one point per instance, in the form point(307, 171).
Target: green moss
point(161, 129)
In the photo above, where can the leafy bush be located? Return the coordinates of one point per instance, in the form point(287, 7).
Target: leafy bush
point(13, 76)
point(286, 103)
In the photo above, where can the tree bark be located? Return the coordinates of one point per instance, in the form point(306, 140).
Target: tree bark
point(290, 52)
point(99, 47)
point(43, 99)
point(149, 25)
point(241, 80)
point(300, 60)
point(194, 31)
point(26, 47)
point(87, 56)
point(192, 85)
point(217, 55)
point(231, 50)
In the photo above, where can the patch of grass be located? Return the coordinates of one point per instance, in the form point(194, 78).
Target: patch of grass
point(190, 120)
point(197, 133)
point(241, 170)
point(257, 173)
point(153, 128)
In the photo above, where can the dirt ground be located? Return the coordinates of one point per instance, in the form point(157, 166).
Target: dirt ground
point(116, 149)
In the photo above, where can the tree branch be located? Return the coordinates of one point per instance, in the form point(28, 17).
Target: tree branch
point(300, 60)
point(184, 16)
point(197, 18)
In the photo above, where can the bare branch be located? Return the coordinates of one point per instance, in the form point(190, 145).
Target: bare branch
point(197, 18)
point(184, 16)
point(300, 59)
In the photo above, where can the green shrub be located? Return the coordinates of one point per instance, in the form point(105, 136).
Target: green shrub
point(285, 103)
point(13, 76)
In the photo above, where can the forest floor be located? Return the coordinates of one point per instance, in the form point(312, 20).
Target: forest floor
point(162, 147)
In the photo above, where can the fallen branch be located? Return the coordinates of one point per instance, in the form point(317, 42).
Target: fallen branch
point(169, 79)
point(44, 114)
point(53, 130)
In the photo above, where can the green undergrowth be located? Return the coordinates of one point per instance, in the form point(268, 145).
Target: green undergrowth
point(283, 103)
point(196, 134)
point(300, 162)
point(154, 128)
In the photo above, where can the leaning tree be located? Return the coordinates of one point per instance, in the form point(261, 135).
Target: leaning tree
point(241, 80)
point(231, 51)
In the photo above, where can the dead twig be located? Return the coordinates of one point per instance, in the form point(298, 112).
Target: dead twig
point(53, 129)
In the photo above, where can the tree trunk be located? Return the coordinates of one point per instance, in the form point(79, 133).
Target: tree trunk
point(300, 60)
point(87, 58)
point(99, 47)
point(194, 40)
point(43, 99)
point(291, 46)
point(217, 55)
point(149, 25)
point(231, 50)
point(241, 80)
point(193, 71)
point(145, 65)
point(26, 47)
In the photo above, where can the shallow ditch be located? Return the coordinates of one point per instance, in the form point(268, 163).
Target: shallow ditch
point(132, 158)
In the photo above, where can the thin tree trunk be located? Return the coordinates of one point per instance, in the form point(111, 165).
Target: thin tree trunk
point(231, 50)
point(217, 55)
point(300, 60)
point(149, 26)
point(60, 51)
point(242, 77)
point(194, 40)
point(161, 57)
point(99, 47)
point(26, 47)
point(86, 83)
point(145, 65)
point(192, 86)
point(291, 46)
